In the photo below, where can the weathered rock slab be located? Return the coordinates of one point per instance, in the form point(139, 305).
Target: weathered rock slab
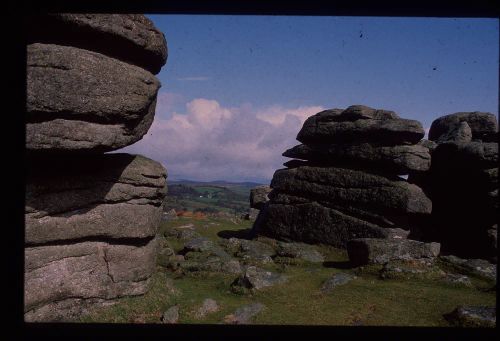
point(336, 280)
point(87, 270)
point(77, 100)
point(473, 316)
point(348, 187)
point(243, 315)
point(366, 125)
point(478, 267)
point(208, 306)
point(379, 251)
point(400, 159)
point(171, 315)
point(93, 196)
point(129, 37)
point(311, 222)
point(256, 278)
point(301, 251)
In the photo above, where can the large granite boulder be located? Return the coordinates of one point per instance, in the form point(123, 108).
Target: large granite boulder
point(462, 183)
point(59, 277)
point(483, 125)
point(344, 182)
point(379, 251)
point(353, 188)
point(78, 100)
point(91, 219)
point(360, 124)
point(113, 196)
point(129, 37)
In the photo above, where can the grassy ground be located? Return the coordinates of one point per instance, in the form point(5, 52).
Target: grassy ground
point(367, 300)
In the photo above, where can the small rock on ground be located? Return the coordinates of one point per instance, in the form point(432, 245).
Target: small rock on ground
point(244, 314)
point(473, 316)
point(208, 306)
point(458, 279)
point(301, 251)
point(336, 280)
point(255, 278)
point(171, 315)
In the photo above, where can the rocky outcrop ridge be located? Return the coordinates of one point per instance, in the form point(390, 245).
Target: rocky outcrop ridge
point(346, 184)
point(463, 184)
point(91, 218)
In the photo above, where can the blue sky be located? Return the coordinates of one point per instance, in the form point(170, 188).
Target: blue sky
point(244, 84)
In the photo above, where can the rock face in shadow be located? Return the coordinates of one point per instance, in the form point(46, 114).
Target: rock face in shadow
point(77, 101)
point(129, 37)
point(348, 186)
point(91, 218)
point(464, 184)
point(483, 126)
point(94, 196)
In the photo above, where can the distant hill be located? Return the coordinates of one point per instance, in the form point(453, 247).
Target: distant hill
point(217, 183)
point(209, 197)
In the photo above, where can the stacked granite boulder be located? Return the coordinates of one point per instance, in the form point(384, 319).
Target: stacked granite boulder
point(343, 183)
point(464, 184)
point(91, 218)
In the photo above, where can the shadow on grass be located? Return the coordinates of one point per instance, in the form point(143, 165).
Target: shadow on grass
point(339, 265)
point(240, 234)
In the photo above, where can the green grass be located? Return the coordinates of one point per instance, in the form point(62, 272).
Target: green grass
point(367, 300)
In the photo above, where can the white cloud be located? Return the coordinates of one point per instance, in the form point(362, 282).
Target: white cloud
point(211, 142)
point(276, 115)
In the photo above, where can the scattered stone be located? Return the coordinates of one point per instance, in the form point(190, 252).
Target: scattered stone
point(208, 306)
point(473, 316)
point(171, 315)
point(253, 251)
point(181, 233)
point(199, 244)
point(256, 278)
point(379, 251)
point(458, 279)
point(164, 256)
point(243, 315)
point(478, 267)
point(336, 280)
point(301, 251)
point(410, 269)
point(231, 267)
point(249, 250)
